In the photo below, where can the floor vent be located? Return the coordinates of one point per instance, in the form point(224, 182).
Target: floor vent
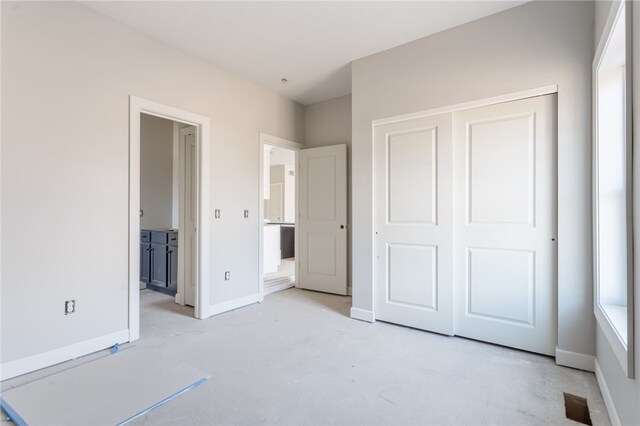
point(576, 409)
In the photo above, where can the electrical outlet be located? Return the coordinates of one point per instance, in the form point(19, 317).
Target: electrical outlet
point(216, 213)
point(69, 307)
point(246, 214)
point(227, 275)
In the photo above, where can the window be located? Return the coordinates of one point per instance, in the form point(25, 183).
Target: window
point(613, 253)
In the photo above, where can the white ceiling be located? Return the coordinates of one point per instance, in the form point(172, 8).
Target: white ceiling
point(310, 43)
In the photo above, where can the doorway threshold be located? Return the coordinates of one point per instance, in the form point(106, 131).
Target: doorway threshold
point(279, 284)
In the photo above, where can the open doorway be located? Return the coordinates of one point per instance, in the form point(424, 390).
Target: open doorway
point(168, 210)
point(319, 221)
point(279, 211)
point(168, 206)
point(279, 261)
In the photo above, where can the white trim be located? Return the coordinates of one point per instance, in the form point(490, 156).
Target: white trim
point(230, 305)
point(266, 139)
point(363, 315)
point(606, 396)
point(46, 359)
point(624, 352)
point(136, 107)
point(575, 360)
point(546, 90)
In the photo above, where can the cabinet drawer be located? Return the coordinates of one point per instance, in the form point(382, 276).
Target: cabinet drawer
point(173, 238)
point(158, 237)
point(145, 236)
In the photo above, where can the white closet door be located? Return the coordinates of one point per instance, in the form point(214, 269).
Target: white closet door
point(505, 224)
point(413, 223)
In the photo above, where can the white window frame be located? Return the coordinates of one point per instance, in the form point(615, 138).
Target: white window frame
point(624, 352)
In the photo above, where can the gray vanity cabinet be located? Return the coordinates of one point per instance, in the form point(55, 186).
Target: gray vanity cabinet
point(158, 265)
point(287, 241)
point(159, 260)
point(172, 261)
point(145, 256)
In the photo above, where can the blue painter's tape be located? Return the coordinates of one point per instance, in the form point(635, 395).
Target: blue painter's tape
point(115, 348)
point(15, 417)
point(167, 399)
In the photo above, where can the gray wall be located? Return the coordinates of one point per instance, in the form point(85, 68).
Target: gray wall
point(156, 172)
point(329, 123)
point(531, 46)
point(625, 393)
point(67, 74)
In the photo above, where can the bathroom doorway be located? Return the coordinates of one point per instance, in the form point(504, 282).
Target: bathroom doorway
point(178, 231)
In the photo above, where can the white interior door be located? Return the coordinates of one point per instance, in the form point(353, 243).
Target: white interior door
point(505, 224)
point(322, 249)
point(276, 203)
point(187, 237)
point(413, 223)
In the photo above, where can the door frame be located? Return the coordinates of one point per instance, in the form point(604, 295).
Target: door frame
point(270, 140)
point(138, 106)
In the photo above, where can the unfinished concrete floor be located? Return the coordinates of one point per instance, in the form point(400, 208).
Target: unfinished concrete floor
point(299, 359)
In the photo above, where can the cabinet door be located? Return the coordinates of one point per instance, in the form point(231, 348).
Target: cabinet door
point(287, 243)
point(172, 263)
point(145, 262)
point(158, 265)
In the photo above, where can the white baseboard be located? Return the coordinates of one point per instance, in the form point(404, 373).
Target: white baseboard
point(363, 315)
point(606, 396)
point(575, 360)
point(21, 366)
point(230, 305)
